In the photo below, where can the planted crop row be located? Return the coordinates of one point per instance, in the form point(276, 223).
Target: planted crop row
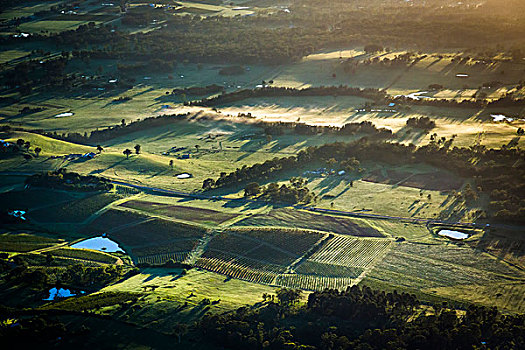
point(294, 241)
point(112, 219)
point(160, 259)
point(310, 282)
point(321, 269)
point(182, 245)
point(465, 256)
point(228, 258)
point(398, 268)
point(22, 247)
point(350, 251)
point(84, 254)
point(156, 231)
point(234, 270)
point(76, 211)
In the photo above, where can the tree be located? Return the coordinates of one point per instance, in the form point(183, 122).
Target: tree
point(208, 184)
point(99, 149)
point(20, 142)
point(123, 122)
point(180, 329)
point(171, 163)
point(197, 147)
point(137, 149)
point(252, 189)
point(127, 152)
point(371, 48)
point(520, 131)
point(27, 144)
point(37, 151)
point(287, 297)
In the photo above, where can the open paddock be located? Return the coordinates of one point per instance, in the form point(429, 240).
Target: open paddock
point(435, 181)
point(460, 255)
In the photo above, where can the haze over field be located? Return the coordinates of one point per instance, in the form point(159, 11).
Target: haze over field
point(271, 174)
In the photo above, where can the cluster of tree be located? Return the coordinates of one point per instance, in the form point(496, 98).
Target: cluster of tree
point(379, 97)
point(209, 39)
point(423, 123)
point(21, 146)
point(199, 91)
point(150, 65)
point(26, 269)
point(402, 60)
point(364, 127)
point(28, 74)
point(296, 192)
point(508, 100)
point(491, 169)
point(362, 318)
point(268, 91)
point(69, 180)
point(232, 70)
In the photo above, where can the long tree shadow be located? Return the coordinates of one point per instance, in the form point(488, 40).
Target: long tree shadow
point(99, 171)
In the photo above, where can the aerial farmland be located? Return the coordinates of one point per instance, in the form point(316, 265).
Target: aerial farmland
point(262, 174)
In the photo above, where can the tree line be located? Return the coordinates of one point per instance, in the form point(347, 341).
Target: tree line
point(377, 95)
point(361, 318)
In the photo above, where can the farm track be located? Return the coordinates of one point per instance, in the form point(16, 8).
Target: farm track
point(315, 248)
point(200, 248)
point(101, 211)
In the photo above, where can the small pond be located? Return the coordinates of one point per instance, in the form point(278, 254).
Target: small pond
point(183, 176)
point(62, 115)
point(99, 243)
point(60, 293)
point(501, 117)
point(453, 234)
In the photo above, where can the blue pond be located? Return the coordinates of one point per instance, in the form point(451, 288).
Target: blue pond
point(99, 243)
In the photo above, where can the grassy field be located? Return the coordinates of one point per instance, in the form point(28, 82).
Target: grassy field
point(23, 242)
point(449, 270)
point(191, 288)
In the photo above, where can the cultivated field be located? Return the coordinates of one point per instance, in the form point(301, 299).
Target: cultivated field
point(197, 215)
point(285, 217)
point(157, 241)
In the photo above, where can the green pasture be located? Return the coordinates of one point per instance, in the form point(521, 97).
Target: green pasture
point(170, 286)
